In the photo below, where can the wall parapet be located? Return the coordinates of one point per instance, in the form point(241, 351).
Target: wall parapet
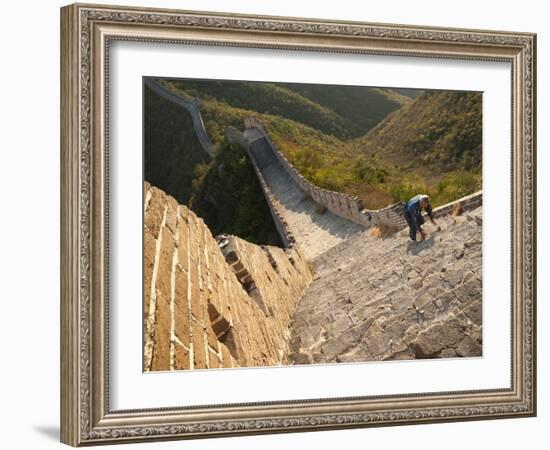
point(466, 203)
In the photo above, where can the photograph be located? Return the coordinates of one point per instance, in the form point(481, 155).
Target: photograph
point(298, 223)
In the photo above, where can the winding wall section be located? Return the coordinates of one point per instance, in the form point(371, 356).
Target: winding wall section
point(298, 217)
point(191, 105)
point(298, 206)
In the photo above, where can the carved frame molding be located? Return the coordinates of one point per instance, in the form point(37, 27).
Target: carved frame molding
point(86, 31)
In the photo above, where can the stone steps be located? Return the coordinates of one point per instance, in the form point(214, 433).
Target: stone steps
point(315, 231)
point(384, 298)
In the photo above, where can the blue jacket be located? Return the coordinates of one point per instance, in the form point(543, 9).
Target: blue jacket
point(413, 207)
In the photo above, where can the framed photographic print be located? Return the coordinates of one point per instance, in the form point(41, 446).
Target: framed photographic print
point(276, 224)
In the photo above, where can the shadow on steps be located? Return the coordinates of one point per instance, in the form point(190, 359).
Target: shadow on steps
point(414, 248)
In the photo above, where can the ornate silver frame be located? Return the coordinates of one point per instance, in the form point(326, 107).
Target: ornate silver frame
point(86, 31)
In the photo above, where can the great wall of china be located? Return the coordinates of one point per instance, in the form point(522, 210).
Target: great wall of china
point(335, 293)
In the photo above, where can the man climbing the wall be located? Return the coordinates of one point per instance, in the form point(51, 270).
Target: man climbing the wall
point(413, 214)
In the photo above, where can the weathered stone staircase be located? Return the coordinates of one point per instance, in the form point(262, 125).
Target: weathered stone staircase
point(378, 298)
point(315, 229)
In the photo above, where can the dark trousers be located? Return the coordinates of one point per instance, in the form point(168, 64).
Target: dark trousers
point(414, 223)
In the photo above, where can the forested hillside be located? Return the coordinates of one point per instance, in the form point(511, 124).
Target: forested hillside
point(268, 98)
point(440, 131)
point(433, 144)
point(362, 108)
point(342, 111)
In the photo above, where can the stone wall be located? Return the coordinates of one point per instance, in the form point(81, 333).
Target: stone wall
point(208, 308)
